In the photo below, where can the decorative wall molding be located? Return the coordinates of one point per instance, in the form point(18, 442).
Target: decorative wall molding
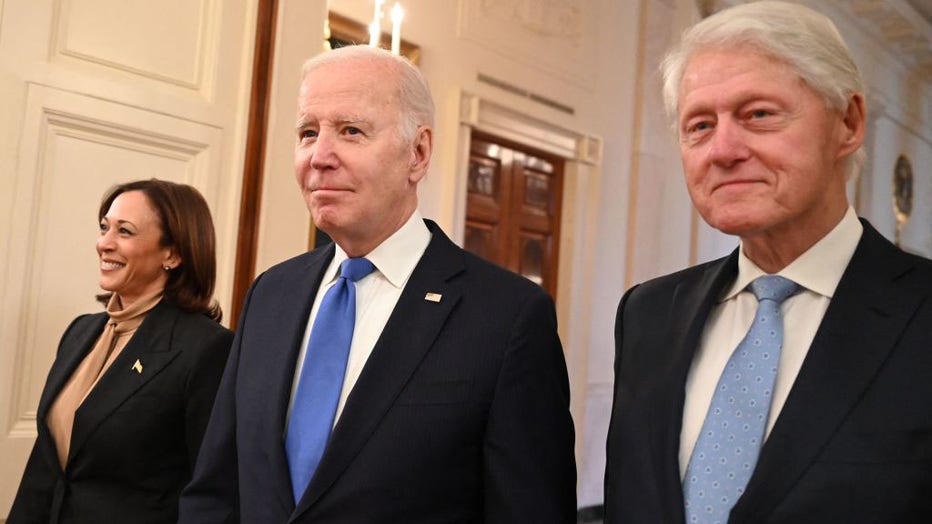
point(178, 47)
point(550, 18)
point(899, 26)
point(557, 36)
point(496, 119)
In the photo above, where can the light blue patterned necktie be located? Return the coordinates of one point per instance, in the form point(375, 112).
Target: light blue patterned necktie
point(321, 382)
point(730, 441)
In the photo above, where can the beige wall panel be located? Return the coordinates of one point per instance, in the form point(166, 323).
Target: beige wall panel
point(164, 40)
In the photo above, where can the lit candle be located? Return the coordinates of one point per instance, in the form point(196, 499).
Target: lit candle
point(375, 28)
point(397, 15)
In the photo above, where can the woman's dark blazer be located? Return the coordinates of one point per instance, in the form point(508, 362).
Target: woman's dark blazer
point(137, 434)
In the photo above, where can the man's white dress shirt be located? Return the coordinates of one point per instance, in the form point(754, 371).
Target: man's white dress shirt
point(817, 271)
point(376, 296)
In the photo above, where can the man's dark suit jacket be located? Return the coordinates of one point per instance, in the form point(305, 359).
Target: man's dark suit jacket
point(136, 435)
point(853, 442)
point(461, 413)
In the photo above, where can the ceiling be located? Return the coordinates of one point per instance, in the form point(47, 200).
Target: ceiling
point(905, 26)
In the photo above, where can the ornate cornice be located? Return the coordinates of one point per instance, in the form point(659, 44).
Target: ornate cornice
point(900, 26)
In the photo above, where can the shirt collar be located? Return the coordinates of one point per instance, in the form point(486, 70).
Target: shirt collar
point(396, 256)
point(819, 269)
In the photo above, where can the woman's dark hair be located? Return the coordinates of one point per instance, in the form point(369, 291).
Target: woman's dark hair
point(187, 226)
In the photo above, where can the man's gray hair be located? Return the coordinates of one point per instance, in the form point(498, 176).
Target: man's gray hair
point(417, 106)
point(807, 41)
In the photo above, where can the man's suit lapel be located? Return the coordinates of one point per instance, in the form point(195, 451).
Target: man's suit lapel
point(151, 346)
point(871, 306)
point(414, 324)
point(692, 301)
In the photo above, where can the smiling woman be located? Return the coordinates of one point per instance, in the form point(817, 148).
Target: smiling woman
point(133, 260)
point(176, 217)
point(128, 397)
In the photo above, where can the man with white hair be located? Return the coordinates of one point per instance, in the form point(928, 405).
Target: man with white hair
point(788, 381)
point(391, 376)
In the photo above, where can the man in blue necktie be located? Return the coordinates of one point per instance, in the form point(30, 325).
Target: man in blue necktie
point(788, 381)
point(389, 376)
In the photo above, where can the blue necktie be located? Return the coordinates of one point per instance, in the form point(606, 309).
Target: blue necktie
point(733, 431)
point(315, 401)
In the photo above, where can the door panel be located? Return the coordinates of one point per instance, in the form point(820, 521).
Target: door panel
point(513, 208)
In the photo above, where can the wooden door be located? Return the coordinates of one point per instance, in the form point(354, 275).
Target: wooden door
point(513, 208)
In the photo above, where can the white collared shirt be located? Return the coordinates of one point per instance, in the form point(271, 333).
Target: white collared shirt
point(376, 296)
point(817, 271)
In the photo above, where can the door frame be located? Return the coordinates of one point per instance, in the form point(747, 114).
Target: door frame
point(578, 222)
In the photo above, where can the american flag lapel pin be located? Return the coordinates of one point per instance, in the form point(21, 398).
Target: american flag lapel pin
point(138, 366)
